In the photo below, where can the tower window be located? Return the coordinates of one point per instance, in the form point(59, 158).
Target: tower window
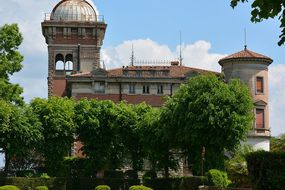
point(160, 89)
point(259, 118)
point(59, 62)
point(132, 88)
point(145, 89)
point(259, 85)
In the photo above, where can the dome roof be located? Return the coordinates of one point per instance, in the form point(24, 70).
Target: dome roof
point(246, 55)
point(74, 10)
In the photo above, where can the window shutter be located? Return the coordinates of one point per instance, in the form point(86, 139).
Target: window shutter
point(259, 118)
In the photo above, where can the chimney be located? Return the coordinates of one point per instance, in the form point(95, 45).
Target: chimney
point(174, 63)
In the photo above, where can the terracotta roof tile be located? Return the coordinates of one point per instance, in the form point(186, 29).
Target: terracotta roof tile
point(148, 72)
point(246, 54)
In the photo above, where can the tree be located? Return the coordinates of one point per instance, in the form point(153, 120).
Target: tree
point(10, 62)
point(207, 112)
point(56, 115)
point(20, 131)
point(95, 123)
point(264, 9)
point(277, 143)
point(126, 124)
point(156, 143)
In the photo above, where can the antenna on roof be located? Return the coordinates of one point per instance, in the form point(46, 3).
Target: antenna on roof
point(104, 66)
point(180, 50)
point(133, 56)
point(245, 43)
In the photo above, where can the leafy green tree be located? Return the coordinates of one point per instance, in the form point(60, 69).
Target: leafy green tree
point(20, 131)
point(101, 144)
point(277, 143)
point(207, 112)
point(56, 115)
point(265, 9)
point(156, 143)
point(126, 124)
point(10, 62)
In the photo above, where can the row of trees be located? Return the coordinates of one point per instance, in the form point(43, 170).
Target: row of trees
point(205, 112)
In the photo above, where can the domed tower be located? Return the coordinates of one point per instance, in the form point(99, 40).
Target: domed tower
point(74, 34)
point(252, 68)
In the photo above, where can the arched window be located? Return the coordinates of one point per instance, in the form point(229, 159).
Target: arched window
point(69, 62)
point(59, 62)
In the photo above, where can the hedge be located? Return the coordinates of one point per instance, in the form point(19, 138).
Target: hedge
point(91, 183)
point(9, 187)
point(102, 187)
point(42, 188)
point(182, 183)
point(218, 178)
point(139, 187)
point(266, 170)
point(52, 183)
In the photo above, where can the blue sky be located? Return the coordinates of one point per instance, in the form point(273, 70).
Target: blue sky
point(210, 30)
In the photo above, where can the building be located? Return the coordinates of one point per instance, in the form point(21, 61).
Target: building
point(74, 34)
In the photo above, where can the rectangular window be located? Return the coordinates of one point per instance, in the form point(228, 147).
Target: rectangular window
point(160, 89)
point(145, 89)
point(99, 87)
point(259, 84)
point(132, 88)
point(259, 119)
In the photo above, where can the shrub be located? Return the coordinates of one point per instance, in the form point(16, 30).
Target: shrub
point(181, 183)
point(41, 188)
point(218, 178)
point(266, 170)
point(139, 187)
point(31, 183)
point(102, 187)
point(9, 187)
point(44, 176)
point(150, 175)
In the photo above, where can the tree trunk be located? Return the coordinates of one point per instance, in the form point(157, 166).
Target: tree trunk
point(166, 172)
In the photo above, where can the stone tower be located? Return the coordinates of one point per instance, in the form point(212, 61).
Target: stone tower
point(252, 68)
point(74, 34)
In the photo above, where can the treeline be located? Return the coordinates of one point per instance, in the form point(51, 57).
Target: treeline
point(205, 112)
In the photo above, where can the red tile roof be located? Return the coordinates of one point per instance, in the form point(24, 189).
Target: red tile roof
point(148, 72)
point(245, 54)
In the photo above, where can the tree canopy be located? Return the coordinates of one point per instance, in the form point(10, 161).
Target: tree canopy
point(207, 112)
point(10, 62)
point(264, 9)
point(20, 131)
point(56, 115)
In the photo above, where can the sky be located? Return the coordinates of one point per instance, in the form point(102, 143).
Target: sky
point(209, 30)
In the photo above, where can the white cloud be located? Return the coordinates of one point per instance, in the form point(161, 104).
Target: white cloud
point(276, 98)
point(194, 55)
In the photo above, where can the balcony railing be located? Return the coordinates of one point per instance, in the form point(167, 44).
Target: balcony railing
point(75, 17)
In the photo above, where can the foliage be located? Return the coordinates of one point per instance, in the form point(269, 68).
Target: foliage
point(114, 184)
point(277, 143)
point(56, 115)
point(20, 130)
point(102, 145)
point(139, 187)
point(41, 188)
point(218, 178)
point(44, 176)
point(181, 183)
point(207, 112)
point(9, 187)
point(126, 125)
point(266, 170)
point(32, 183)
point(264, 9)
point(236, 167)
point(102, 187)
point(10, 62)
point(156, 143)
